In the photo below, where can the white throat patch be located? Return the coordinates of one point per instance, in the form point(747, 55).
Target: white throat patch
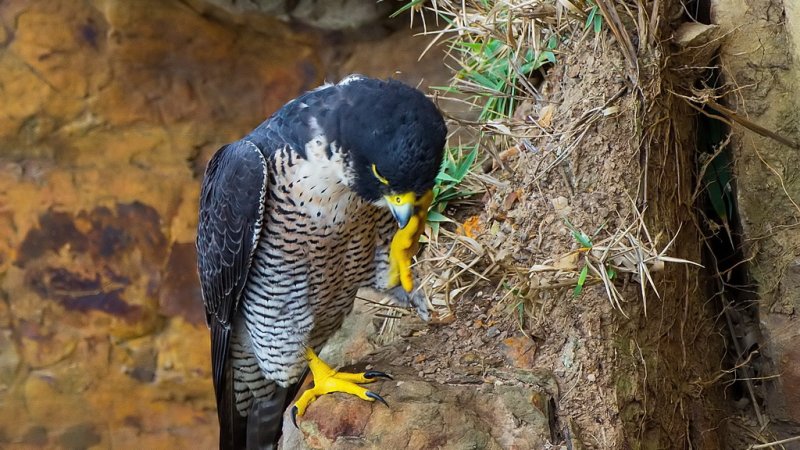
point(321, 182)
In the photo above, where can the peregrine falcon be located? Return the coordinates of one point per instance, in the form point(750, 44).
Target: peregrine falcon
point(296, 217)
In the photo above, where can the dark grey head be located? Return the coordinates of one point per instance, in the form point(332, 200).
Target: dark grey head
point(396, 128)
point(389, 136)
point(395, 138)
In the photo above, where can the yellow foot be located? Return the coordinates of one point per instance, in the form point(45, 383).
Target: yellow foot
point(405, 244)
point(327, 380)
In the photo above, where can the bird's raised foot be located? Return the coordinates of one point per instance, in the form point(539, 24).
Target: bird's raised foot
point(405, 244)
point(328, 380)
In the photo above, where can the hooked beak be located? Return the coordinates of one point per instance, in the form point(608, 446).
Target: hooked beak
point(402, 207)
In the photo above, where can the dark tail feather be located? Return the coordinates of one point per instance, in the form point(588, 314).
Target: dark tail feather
point(265, 419)
point(263, 426)
point(232, 426)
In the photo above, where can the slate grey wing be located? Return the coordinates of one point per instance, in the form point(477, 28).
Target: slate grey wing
point(231, 213)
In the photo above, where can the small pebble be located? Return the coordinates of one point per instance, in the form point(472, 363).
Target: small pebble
point(469, 358)
point(473, 370)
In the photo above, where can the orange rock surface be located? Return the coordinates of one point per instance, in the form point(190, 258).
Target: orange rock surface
point(110, 110)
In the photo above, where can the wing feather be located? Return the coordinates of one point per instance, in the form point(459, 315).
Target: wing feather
point(232, 201)
point(231, 213)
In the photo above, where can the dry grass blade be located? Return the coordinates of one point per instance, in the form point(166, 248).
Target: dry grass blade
point(485, 35)
point(752, 126)
point(775, 443)
point(611, 16)
point(496, 47)
point(729, 116)
point(622, 252)
point(454, 265)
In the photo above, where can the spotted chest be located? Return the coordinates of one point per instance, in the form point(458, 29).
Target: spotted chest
point(318, 245)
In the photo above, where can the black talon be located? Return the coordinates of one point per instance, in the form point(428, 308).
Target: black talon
point(294, 416)
point(370, 374)
point(377, 397)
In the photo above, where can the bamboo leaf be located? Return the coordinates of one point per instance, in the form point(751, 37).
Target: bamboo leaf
point(406, 7)
point(435, 216)
point(581, 281)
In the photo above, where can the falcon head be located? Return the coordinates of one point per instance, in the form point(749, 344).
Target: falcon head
point(395, 137)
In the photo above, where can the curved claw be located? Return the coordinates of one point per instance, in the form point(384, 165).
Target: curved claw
point(294, 416)
point(377, 397)
point(370, 374)
point(415, 300)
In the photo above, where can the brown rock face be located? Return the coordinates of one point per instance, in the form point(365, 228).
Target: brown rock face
point(328, 15)
point(109, 113)
point(423, 415)
point(110, 110)
point(761, 54)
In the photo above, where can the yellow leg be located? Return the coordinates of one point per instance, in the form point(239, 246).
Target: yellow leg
point(327, 380)
point(405, 244)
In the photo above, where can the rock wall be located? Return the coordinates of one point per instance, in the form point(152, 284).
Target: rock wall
point(321, 14)
point(110, 110)
point(759, 55)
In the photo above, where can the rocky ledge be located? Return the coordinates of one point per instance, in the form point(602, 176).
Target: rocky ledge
point(424, 414)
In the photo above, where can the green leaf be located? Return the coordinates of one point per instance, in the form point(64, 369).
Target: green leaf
point(581, 281)
point(582, 238)
point(454, 194)
point(448, 89)
point(598, 24)
point(492, 48)
point(473, 47)
point(406, 7)
point(434, 229)
point(590, 17)
point(552, 43)
point(717, 179)
point(435, 216)
point(611, 273)
point(442, 177)
point(483, 80)
point(448, 165)
point(445, 189)
point(527, 68)
point(466, 164)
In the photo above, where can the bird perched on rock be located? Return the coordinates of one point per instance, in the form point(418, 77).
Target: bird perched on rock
point(294, 218)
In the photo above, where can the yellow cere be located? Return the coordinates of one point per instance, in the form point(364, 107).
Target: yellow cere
point(402, 199)
point(379, 176)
